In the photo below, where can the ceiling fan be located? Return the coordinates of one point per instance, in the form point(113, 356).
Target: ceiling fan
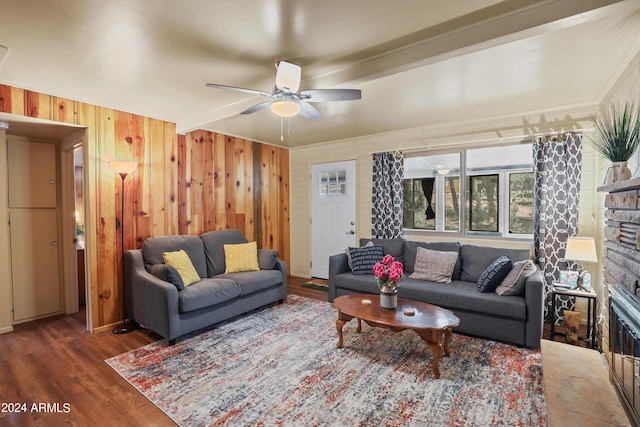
point(286, 100)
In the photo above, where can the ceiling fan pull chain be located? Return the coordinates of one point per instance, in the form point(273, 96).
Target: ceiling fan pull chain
point(289, 131)
point(281, 131)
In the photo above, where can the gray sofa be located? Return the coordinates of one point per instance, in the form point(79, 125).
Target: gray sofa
point(158, 305)
point(513, 319)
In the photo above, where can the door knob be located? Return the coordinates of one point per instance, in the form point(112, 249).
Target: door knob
point(54, 243)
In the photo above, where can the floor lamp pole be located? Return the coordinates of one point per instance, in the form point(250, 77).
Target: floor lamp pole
point(123, 168)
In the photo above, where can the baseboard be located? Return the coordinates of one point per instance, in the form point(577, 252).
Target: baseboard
point(6, 330)
point(110, 327)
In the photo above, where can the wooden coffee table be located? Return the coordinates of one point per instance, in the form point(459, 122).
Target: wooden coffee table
point(432, 323)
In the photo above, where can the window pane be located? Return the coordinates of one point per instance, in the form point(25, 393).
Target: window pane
point(483, 203)
point(415, 206)
point(407, 208)
point(452, 203)
point(521, 203)
point(332, 183)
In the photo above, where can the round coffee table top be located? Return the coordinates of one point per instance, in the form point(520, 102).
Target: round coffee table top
point(426, 316)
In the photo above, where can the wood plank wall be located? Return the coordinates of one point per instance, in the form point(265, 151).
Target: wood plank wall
point(184, 184)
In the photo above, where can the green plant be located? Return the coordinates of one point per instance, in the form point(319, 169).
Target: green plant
point(617, 132)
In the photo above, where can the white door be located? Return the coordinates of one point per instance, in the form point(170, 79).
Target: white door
point(333, 212)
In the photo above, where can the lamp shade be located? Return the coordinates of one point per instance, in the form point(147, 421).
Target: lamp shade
point(123, 166)
point(581, 249)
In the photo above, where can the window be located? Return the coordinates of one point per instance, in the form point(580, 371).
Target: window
point(332, 183)
point(483, 202)
point(521, 203)
point(432, 192)
point(498, 188)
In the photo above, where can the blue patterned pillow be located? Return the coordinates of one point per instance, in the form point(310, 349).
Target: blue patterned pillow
point(363, 259)
point(491, 278)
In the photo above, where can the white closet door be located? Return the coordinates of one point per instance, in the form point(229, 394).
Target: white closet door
point(32, 174)
point(34, 263)
point(33, 216)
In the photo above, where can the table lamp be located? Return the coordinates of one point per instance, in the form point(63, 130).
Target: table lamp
point(581, 249)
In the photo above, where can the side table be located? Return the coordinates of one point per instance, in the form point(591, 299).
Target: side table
point(592, 303)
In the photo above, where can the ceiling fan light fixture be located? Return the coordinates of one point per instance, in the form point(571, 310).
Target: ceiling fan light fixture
point(285, 107)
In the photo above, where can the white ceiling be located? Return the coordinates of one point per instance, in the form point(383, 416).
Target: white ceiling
point(417, 62)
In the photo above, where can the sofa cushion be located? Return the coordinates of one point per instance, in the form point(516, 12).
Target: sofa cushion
point(436, 266)
point(476, 259)
point(411, 248)
point(214, 242)
point(393, 247)
point(241, 257)
point(515, 281)
point(206, 293)
point(267, 259)
point(357, 284)
point(168, 274)
point(254, 281)
point(464, 297)
point(364, 259)
point(183, 265)
point(494, 274)
point(154, 247)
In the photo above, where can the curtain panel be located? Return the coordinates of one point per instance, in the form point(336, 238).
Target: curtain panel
point(557, 170)
point(388, 195)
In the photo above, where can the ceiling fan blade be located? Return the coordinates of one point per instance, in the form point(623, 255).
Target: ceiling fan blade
point(327, 95)
point(239, 89)
point(308, 111)
point(288, 77)
point(257, 107)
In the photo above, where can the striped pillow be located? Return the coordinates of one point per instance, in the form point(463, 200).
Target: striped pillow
point(363, 259)
point(491, 278)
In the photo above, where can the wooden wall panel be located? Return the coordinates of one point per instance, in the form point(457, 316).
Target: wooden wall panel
point(12, 100)
point(184, 184)
point(64, 110)
point(106, 265)
point(39, 105)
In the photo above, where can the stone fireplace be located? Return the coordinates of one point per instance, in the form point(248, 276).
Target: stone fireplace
point(621, 262)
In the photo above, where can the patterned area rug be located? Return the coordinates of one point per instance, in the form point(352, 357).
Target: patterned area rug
point(280, 365)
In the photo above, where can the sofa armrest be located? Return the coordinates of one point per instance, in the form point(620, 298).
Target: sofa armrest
point(280, 265)
point(534, 299)
point(153, 302)
point(337, 264)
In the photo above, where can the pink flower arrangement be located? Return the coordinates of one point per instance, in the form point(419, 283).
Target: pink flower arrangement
point(389, 272)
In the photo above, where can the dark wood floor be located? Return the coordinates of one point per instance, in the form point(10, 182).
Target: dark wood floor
point(55, 361)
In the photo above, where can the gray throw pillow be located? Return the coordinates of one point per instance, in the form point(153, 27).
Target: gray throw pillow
point(267, 259)
point(515, 281)
point(363, 259)
point(168, 274)
point(435, 266)
point(494, 274)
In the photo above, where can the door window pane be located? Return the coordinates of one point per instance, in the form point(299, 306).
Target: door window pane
point(332, 183)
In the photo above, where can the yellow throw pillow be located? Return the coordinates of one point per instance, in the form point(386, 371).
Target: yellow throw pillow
point(241, 257)
point(182, 263)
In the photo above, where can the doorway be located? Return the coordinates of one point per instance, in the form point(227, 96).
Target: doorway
point(333, 212)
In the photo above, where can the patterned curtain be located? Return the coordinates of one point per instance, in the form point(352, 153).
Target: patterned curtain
point(557, 162)
point(388, 193)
